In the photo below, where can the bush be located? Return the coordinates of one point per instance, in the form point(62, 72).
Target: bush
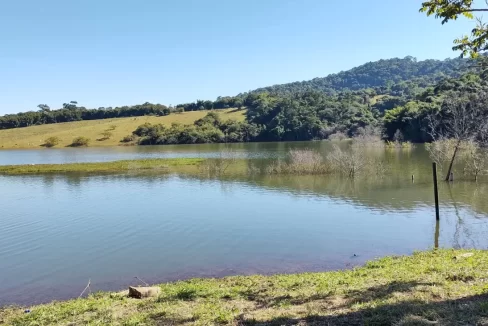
point(399, 145)
point(80, 141)
point(338, 136)
point(355, 161)
point(51, 141)
point(368, 136)
point(128, 139)
point(105, 135)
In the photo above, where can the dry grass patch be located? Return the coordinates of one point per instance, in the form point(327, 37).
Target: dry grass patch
point(35, 136)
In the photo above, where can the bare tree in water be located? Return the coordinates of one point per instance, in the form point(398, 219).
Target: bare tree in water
point(462, 120)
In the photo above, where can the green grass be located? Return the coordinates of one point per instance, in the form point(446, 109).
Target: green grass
point(164, 165)
point(35, 136)
point(424, 289)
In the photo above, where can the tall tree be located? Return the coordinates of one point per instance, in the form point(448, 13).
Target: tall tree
point(448, 10)
point(70, 105)
point(44, 108)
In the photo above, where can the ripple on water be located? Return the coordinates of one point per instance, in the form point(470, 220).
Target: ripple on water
point(59, 231)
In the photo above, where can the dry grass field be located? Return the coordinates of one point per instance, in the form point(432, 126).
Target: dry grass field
point(35, 136)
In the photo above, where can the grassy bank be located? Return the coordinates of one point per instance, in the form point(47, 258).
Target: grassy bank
point(163, 165)
point(436, 287)
point(35, 136)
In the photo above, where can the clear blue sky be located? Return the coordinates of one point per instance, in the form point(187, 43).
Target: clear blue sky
point(124, 52)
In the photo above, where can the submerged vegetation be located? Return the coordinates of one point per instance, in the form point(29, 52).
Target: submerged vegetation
point(351, 161)
point(300, 162)
point(444, 287)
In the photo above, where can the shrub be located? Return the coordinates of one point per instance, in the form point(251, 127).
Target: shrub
point(80, 141)
point(368, 136)
point(399, 145)
point(300, 162)
point(338, 136)
point(219, 166)
point(105, 135)
point(128, 139)
point(51, 141)
point(349, 162)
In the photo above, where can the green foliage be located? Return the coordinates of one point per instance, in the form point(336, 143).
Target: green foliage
point(410, 118)
point(397, 77)
point(396, 94)
point(451, 10)
point(307, 116)
point(209, 129)
point(80, 141)
point(72, 112)
point(400, 79)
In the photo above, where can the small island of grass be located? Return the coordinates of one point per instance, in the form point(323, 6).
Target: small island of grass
point(163, 165)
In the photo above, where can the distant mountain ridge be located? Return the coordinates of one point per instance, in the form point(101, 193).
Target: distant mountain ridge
point(376, 74)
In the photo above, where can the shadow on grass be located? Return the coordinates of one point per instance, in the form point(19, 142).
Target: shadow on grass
point(236, 110)
point(164, 319)
point(466, 311)
point(382, 292)
point(472, 310)
point(265, 301)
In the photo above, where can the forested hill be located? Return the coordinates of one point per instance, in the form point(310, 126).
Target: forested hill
point(372, 89)
point(382, 73)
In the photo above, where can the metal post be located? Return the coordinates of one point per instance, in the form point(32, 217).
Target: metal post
point(436, 193)
point(436, 235)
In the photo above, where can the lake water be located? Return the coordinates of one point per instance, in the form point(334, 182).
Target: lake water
point(58, 231)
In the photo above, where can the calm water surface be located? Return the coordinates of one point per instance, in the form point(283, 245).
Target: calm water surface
point(59, 231)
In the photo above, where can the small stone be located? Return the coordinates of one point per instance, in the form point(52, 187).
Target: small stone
point(466, 255)
point(144, 292)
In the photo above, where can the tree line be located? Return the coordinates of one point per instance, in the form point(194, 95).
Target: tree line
point(393, 77)
point(313, 115)
point(72, 112)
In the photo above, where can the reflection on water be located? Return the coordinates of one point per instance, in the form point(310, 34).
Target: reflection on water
point(60, 230)
point(101, 154)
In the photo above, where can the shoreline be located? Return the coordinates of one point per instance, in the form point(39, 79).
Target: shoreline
point(443, 286)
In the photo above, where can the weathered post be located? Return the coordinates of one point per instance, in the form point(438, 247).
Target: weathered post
point(436, 193)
